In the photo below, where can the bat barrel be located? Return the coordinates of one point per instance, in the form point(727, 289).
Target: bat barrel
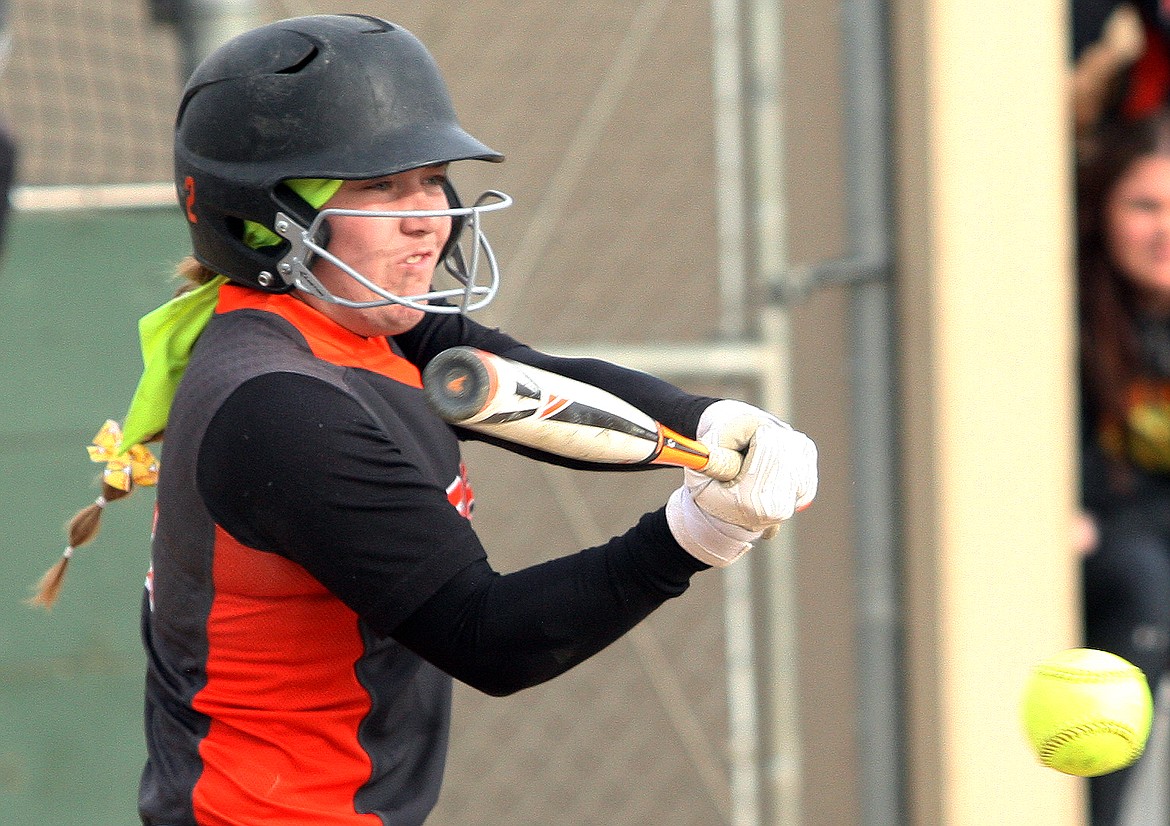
point(457, 384)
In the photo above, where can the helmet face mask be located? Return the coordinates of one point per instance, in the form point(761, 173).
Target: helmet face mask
point(468, 270)
point(347, 97)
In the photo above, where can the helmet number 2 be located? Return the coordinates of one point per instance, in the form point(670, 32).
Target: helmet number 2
point(189, 188)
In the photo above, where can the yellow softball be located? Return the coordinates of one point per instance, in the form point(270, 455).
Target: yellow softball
point(1087, 712)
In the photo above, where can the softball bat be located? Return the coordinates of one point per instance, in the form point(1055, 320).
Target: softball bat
point(500, 397)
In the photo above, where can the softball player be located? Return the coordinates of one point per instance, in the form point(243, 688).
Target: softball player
point(316, 582)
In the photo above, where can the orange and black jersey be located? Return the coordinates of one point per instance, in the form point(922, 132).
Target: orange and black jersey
point(315, 582)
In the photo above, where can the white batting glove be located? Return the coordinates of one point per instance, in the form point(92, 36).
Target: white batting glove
point(779, 473)
point(704, 537)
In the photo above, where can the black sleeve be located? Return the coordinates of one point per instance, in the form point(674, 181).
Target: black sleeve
point(355, 513)
point(661, 400)
point(293, 466)
point(502, 633)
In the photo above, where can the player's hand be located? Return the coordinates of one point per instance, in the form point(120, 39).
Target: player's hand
point(703, 536)
point(779, 473)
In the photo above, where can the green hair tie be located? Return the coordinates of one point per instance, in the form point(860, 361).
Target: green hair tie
point(168, 334)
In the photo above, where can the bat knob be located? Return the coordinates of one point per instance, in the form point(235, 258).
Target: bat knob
point(723, 464)
point(457, 384)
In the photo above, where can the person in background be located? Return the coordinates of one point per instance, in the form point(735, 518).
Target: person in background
point(1124, 296)
point(1109, 79)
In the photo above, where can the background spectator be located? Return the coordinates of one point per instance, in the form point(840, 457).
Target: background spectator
point(1124, 273)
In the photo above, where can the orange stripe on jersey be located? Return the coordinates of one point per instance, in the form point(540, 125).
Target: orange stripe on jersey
point(284, 701)
point(328, 340)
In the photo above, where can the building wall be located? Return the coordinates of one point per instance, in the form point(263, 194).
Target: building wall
point(983, 209)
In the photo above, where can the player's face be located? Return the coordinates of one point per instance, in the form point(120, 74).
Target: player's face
point(397, 254)
point(1138, 229)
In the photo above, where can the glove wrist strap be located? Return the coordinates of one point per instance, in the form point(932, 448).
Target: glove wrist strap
point(704, 537)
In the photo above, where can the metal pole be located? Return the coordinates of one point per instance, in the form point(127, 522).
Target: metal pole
point(776, 559)
point(873, 411)
point(743, 696)
point(730, 197)
point(203, 25)
point(767, 127)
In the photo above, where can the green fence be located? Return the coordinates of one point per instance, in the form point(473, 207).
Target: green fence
point(72, 286)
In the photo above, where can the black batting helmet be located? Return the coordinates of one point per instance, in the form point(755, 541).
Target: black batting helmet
point(324, 96)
